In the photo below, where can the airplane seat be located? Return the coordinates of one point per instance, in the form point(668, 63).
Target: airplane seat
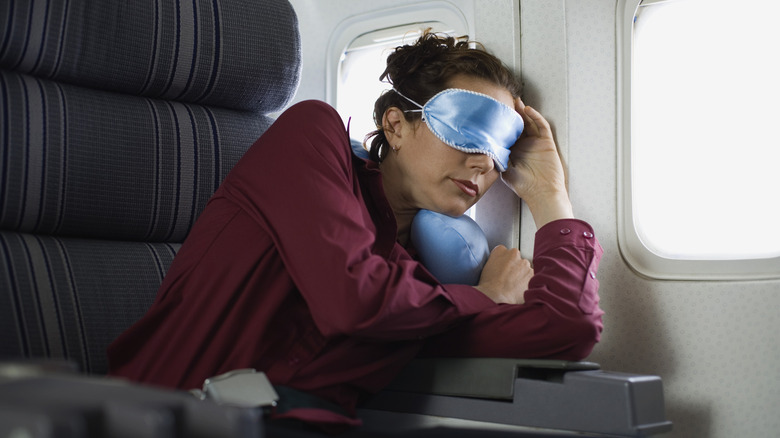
point(118, 121)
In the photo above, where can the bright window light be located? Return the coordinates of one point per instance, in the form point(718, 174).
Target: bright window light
point(362, 63)
point(705, 113)
point(359, 87)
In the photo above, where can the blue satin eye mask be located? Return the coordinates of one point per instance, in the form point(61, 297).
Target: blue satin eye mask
point(472, 122)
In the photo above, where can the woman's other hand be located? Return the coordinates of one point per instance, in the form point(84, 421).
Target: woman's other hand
point(505, 276)
point(535, 171)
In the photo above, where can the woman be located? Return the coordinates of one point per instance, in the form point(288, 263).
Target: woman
point(299, 266)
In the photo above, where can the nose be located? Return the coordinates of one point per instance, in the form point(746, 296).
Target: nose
point(481, 162)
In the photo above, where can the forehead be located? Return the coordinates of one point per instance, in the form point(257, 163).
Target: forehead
point(483, 86)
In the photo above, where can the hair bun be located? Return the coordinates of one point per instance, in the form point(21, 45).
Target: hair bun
point(406, 61)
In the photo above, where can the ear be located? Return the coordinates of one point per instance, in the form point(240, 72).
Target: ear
point(392, 123)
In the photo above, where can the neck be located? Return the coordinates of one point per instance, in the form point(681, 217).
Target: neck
point(404, 221)
point(403, 210)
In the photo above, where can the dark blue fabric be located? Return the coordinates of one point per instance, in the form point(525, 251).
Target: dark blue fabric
point(69, 298)
point(118, 121)
point(82, 162)
point(238, 54)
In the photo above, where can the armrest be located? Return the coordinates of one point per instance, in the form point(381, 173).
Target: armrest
point(490, 378)
point(554, 395)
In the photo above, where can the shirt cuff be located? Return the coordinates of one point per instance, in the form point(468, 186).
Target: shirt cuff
point(564, 232)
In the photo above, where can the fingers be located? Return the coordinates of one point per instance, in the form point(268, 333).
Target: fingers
point(527, 121)
point(510, 257)
point(541, 127)
point(535, 124)
point(531, 129)
point(529, 124)
point(519, 105)
point(503, 251)
point(505, 276)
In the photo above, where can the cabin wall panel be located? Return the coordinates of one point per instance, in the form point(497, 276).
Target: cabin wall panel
point(716, 344)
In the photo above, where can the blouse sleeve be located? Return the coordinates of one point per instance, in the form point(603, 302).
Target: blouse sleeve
point(297, 182)
point(560, 317)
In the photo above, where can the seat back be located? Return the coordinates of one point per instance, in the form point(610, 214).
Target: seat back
point(118, 121)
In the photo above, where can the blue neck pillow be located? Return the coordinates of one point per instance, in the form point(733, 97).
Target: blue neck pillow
point(453, 249)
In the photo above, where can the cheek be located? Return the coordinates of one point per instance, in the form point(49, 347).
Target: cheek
point(435, 149)
point(491, 178)
point(438, 161)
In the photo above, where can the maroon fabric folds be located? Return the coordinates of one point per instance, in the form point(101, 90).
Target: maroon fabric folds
point(293, 269)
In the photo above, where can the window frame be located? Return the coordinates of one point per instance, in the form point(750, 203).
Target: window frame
point(636, 254)
point(358, 26)
point(385, 39)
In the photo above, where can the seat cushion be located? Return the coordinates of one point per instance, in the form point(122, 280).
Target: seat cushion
point(69, 298)
point(89, 163)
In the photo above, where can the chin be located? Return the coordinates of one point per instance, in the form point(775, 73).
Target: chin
point(455, 208)
point(454, 212)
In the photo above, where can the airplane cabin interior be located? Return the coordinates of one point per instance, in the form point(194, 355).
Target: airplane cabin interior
point(119, 120)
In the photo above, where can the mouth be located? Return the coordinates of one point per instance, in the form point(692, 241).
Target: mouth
point(467, 187)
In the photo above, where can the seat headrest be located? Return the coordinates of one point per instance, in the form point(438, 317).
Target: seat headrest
point(229, 53)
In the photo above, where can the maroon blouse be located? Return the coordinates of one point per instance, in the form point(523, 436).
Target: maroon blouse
point(293, 269)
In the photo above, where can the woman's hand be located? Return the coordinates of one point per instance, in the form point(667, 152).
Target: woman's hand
point(505, 276)
point(535, 171)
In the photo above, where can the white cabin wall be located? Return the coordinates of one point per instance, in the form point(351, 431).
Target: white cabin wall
point(497, 26)
point(716, 344)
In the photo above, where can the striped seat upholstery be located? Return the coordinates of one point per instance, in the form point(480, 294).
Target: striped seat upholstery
point(118, 120)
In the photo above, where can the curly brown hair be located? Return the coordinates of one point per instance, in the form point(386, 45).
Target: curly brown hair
point(423, 69)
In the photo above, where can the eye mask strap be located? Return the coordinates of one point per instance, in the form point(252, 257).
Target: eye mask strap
point(410, 100)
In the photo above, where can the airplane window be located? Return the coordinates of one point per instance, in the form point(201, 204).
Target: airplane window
point(358, 49)
point(700, 147)
point(360, 67)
